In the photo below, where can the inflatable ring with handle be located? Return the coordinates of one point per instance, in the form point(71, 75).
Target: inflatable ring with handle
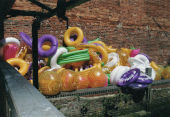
point(99, 49)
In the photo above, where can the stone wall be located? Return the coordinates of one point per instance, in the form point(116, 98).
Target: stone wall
point(144, 24)
point(154, 102)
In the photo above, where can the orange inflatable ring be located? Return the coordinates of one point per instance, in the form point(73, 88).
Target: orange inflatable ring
point(86, 71)
point(108, 48)
point(23, 65)
point(22, 52)
point(43, 69)
point(94, 57)
point(99, 49)
point(154, 66)
point(71, 31)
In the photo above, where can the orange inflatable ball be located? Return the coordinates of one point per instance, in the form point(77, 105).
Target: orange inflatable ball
point(166, 73)
point(124, 54)
point(97, 78)
point(82, 81)
point(68, 79)
point(158, 75)
point(49, 83)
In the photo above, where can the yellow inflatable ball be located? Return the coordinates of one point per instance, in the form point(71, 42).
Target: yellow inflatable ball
point(49, 83)
point(166, 73)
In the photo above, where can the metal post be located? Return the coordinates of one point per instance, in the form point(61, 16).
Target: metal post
point(1, 29)
point(148, 91)
point(35, 28)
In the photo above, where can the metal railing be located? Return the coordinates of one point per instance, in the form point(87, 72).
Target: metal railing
point(18, 98)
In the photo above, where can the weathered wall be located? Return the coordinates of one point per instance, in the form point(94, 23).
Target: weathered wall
point(144, 24)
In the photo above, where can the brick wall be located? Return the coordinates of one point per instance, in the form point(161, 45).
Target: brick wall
point(120, 23)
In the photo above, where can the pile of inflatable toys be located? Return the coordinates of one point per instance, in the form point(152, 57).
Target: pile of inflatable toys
point(81, 64)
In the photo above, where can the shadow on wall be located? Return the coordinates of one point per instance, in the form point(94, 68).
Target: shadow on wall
point(157, 8)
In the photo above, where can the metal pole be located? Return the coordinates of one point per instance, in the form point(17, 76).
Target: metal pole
point(1, 29)
point(148, 91)
point(35, 28)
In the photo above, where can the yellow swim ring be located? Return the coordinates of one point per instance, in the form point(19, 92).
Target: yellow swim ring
point(23, 65)
point(71, 31)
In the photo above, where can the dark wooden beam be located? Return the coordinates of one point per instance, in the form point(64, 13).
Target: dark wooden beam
point(5, 6)
point(14, 13)
point(52, 12)
point(42, 16)
point(40, 5)
point(73, 3)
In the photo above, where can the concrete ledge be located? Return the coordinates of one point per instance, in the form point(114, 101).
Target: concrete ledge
point(23, 100)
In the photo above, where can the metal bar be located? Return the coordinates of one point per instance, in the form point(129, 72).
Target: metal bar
point(148, 91)
point(89, 92)
point(14, 13)
point(161, 82)
point(35, 28)
point(41, 5)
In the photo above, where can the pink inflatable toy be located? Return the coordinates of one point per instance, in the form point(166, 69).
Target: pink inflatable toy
point(10, 50)
point(134, 52)
point(106, 84)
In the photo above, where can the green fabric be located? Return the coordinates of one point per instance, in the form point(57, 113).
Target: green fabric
point(98, 39)
point(108, 75)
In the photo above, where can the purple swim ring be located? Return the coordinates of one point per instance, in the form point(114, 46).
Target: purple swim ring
point(146, 56)
point(54, 45)
point(129, 77)
point(137, 86)
point(27, 39)
point(144, 79)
